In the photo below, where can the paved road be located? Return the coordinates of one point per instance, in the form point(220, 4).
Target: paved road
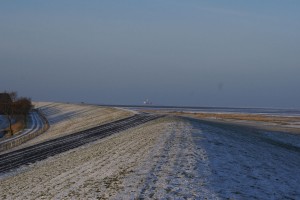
point(2, 122)
point(44, 150)
point(35, 123)
point(3, 125)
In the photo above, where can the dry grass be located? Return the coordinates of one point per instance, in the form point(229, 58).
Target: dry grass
point(18, 125)
point(284, 123)
point(66, 119)
point(93, 171)
point(249, 117)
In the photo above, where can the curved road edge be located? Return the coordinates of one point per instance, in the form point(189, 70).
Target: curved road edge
point(41, 151)
point(39, 125)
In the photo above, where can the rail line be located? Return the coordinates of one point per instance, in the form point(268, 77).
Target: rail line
point(15, 159)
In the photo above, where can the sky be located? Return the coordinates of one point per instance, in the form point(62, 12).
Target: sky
point(232, 53)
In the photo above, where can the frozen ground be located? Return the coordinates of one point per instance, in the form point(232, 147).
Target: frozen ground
point(66, 119)
point(3, 125)
point(34, 123)
point(169, 158)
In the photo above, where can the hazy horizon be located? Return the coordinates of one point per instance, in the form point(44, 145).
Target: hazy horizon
point(186, 53)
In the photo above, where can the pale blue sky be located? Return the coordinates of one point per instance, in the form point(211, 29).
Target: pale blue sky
point(201, 53)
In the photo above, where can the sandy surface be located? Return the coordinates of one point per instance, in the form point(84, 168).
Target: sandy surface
point(169, 158)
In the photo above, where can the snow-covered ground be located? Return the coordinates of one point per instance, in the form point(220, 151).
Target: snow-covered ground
point(243, 163)
point(34, 124)
point(169, 158)
point(66, 119)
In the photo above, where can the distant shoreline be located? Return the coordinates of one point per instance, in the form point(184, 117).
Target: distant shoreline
point(289, 124)
point(222, 110)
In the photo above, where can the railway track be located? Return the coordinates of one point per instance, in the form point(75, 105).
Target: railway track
point(15, 159)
